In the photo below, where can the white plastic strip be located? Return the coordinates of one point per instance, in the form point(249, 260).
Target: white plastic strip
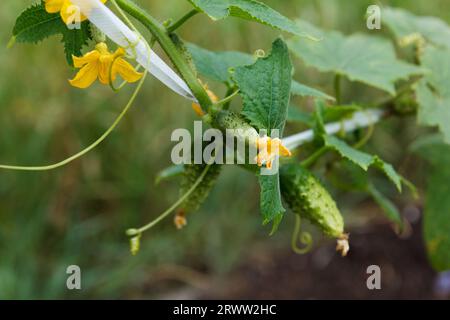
point(360, 119)
point(106, 21)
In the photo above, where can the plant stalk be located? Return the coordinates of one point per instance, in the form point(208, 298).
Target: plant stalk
point(337, 88)
point(314, 157)
point(160, 34)
point(182, 20)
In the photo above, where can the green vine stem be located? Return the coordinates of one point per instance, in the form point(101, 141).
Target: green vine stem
point(337, 88)
point(182, 20)
point(227, 99)
point(90, 147)
point(369, 133)
point(230, 90)
point(103, 136)
point(160, 34)
point(314, 157)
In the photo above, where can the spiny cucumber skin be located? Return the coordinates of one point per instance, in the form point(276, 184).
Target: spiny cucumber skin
point(224, 120)
point(191, 173)
point(306, 196)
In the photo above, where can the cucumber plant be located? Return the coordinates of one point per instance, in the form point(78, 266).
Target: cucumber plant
point(417, 85)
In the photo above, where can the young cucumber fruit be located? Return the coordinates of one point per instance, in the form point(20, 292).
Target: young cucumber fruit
point(235, 124)
point(306, 196)
point(190, 175)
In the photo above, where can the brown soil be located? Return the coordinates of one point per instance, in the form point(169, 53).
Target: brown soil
point(323, 274)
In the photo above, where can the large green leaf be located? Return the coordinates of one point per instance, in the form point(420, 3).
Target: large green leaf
point(330, 114)
point(216, 65)
point(433, 92)
point(295, 114)
point(404, 24)
point(249, 10)
point(362, 159)
point(265, 88)
point(367, 59)
point(36, 24)
point(349, 177)
point(389, 209)
point(298, 89)
point(437, 204)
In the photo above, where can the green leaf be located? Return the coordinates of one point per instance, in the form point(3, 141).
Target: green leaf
point(362, 58)
point(249, 10)
point(169, 172)
point(437, 219)
point(298, 89)
point(433, 91)
point(404, 24)
point(432, 148)
point(265, 88)
point(216, 65)
point(386, 204)
point(349, 177)
point(297, 115)
point(337, 113)
point(75, 39)
point(36, 24)
point(271, 206)
point(437, 203)
point(318, 120)
point(331, 113)
point(362, 159)
point(301, 90)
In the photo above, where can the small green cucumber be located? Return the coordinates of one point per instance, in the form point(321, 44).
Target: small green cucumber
point(190, 175)
point(307, 197)
point(242, 130)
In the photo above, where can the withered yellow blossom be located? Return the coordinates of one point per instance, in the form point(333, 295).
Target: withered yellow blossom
point(269, 149)
point(180, 220)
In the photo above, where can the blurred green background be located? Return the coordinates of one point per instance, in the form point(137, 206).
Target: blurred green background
point(78, 214)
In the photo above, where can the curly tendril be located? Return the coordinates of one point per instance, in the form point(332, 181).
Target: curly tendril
point(135, 234)
point(304, 237)
point(104, 135)
point(87, 149)
point(162, 216)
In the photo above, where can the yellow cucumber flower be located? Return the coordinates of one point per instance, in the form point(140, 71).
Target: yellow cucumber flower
point(66, 9)
point(104, 65)
point(268, 150)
